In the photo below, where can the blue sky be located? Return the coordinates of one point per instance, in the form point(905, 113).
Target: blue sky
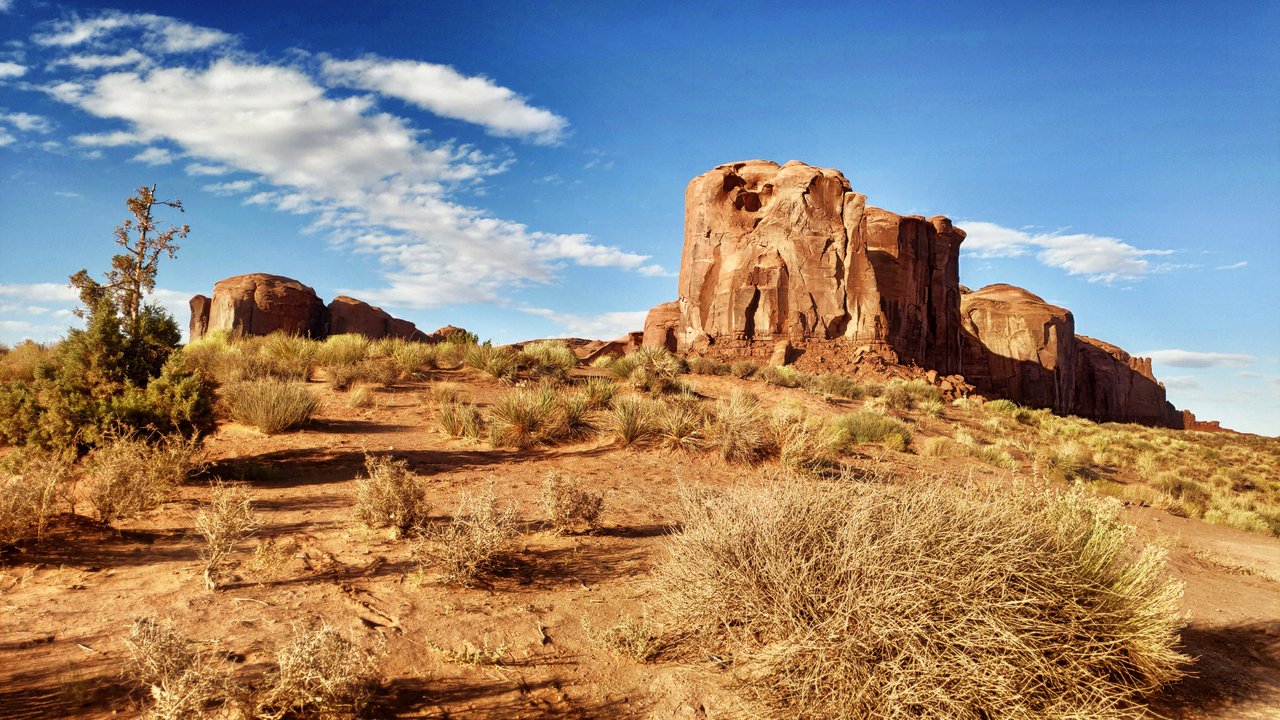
point(519, 168)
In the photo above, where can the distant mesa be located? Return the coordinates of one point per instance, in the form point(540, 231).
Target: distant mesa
point(260, 304)
point(786, 261)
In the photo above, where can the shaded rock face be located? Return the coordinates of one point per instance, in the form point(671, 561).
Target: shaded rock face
point(349, 315)
point(260, 304)
point(791, 253)
point(1019, 347)
point(661, 326)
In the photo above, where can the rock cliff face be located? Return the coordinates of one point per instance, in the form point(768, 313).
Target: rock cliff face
point(1020, 347)
point(786, 262)
point(791, 253)
point(260, 304)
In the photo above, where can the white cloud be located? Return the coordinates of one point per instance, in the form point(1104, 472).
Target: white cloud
point(153, 156)
point(39, 292)
point(1193, 359)
point(27, 122)
point(43, 311)
point(205, 169)
point(67, 194)
point(110, 139)
point(605, 326)
point(91, 61)
point(1233, 266)
point(368, 177)
point(1099, 258)
point(6, 139)
point(448, 93)
point(6, 5)
point(11, 70)
point(234, 187)
point(158, 33)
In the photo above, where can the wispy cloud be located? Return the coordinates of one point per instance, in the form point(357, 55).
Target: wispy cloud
point(234, 187)
point(116, 138)
point(154, 156)
point(605, 326)
point(446, 92)
point(1181, 382)
point(1194, 359)
point(92, 61)
point(27, 122)
point(1097, 257)
point(1233, 266)
point(204, 169)
point(11, 70)
point(159, 34)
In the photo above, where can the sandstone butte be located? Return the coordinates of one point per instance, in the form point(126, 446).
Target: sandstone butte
point(785, 263)
point(260, 304)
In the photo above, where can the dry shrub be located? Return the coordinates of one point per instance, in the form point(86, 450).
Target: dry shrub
point(804, 443)
point(460, 419)
point(1066, 461)
point(384, 371)
point(446, 392)
point(473, 543)
point(128, 476)
point(289, 357)
point(471, 654)
point(390, 495)
point(273, 559)
point(1000, 406)
point(922, 600)
point(319, 673)
point(567, 506)
point(782, 376)
point(997, 456)
point(272, 406)
point(706, 366)
point(631, 419)
point(871, 427)
point(639, 640)
point(413, 357)
point(831, 384)
point(743, 369)
point(20, 361)
point(183, 682)
point(361, 397)
point(227, 521)
point(939, 447)
point(342, 377)
point(740, 428)
point(29, 495)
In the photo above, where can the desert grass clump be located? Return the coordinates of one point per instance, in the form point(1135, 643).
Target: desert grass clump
point(319, 673)
point(389, 494)
point(272, 406)
point(384, 371)
point(680, 425)
point(461, 419)
point(1067, 461)
point(360, 398)
point(128, 476)
point(36, 483)
point(931, 408)
point(288, 357)
point(922, 600)
point(940, 446)
point(781, 376)
point(1000, 406)
point(574, 417)
point(224, 523)
point(342, 350)
point(834, 385)
point(743, 369)
point(548, 358)
point(867, 426)
point(805, 444)
point(182, 681)
point(631, 419)
point(740, 429)
point(652, 370)
point(699, 365)
point(567, 506)
point(523, 417)
point(500, 363)
point(343, 377)
point(599, 392)
point(473, 543)
point(640, 639)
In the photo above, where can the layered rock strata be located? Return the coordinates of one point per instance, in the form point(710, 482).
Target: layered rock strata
point(790, 252)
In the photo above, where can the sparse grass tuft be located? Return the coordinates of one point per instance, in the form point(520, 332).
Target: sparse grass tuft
point(472, 654)
point(390, 495)
point(39, 482)
point(460, 419)
point(870, 427)
point(272, 406)
point(566, 506)
point(828, 601)
point(639, 639)
point(631, 419)
point(740, 429)
point(743, 369)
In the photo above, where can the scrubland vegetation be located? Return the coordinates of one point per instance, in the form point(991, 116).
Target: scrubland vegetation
point(848, 549)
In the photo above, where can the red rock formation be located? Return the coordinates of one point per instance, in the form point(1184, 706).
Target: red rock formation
point(199, 316)
point(1112, 385)
point(260, 304)
point(349, 315)
point(791, 253)
point(1018, 346)
point(661, 326)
